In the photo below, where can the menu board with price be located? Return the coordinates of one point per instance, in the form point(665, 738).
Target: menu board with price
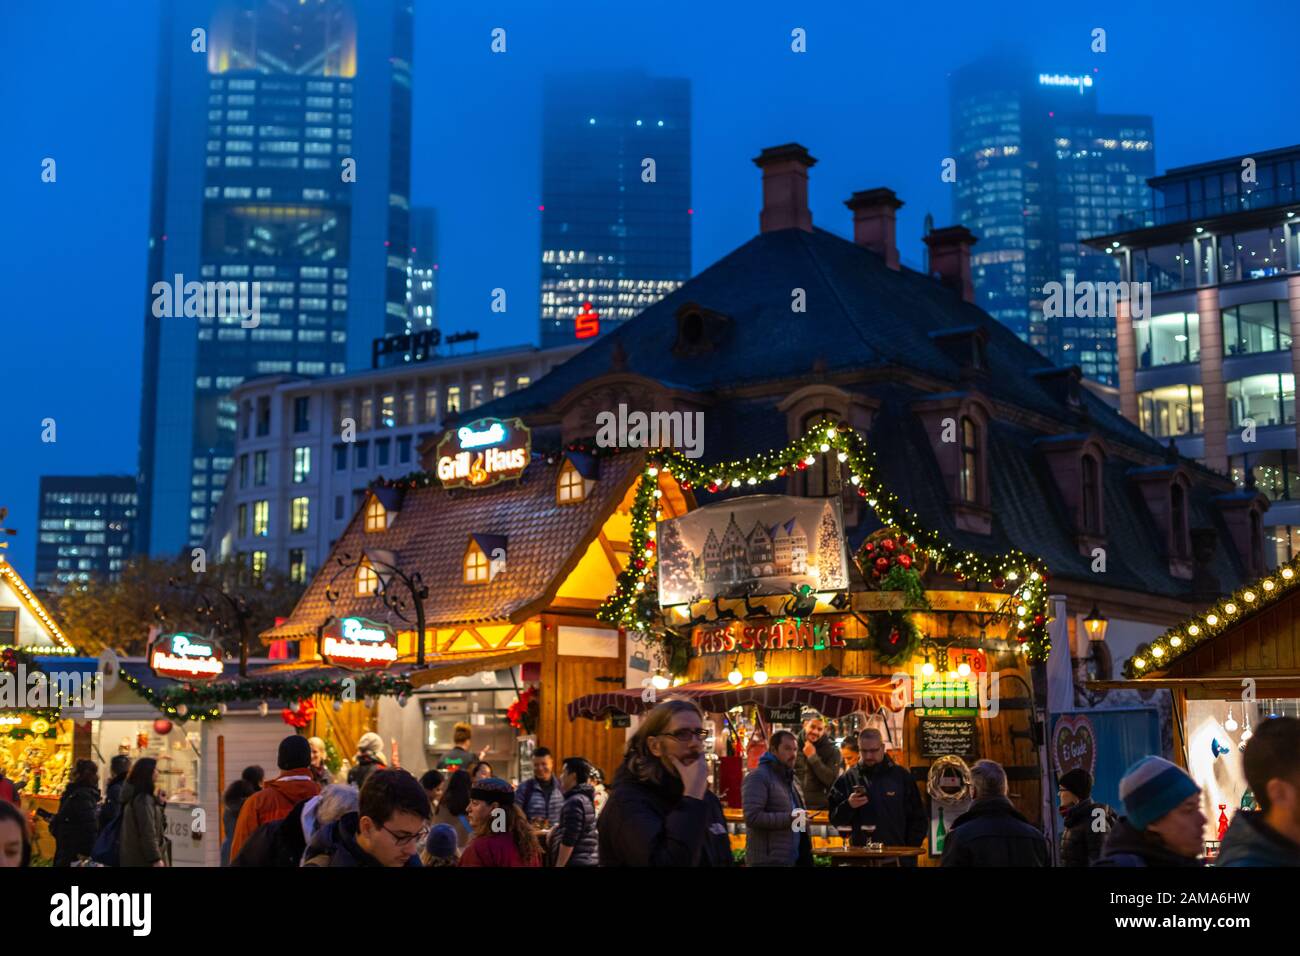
point(947, 735)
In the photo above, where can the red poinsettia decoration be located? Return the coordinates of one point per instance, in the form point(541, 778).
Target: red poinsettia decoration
point(523, 713)
point(301, 715)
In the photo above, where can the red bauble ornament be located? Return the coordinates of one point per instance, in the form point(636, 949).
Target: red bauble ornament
point(639, 563)
point(882, 564)
point(686, 486)
point(862, 492)
point(781, 472)
point(999, 583)
point(713, 486)
point(1045, 576)
point(869, 547)
point(162, 726)
point(801, 464)
point(1039, 619)
point(651, 544)
point(959, 576)
point(888, 544)
point(905, 560)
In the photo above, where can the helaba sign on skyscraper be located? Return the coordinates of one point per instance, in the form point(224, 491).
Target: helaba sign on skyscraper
point(1080, 83)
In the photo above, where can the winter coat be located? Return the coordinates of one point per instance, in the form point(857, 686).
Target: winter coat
point(578, 826)
point(893, 805)
point(335, 844)
point(273, 802)
point(459, 824)
point(74, 827)
point(1127, 846)
point(322, 775)
point(656, 824)
point(280, 843)
point(994, 833)
point(770, 796)
point(817, 774)
point(362, 761)
point(144, 829)
point(1081, 840)
point(112, 804)
point(494, 849)
point(1252, 842)
point(537, 804)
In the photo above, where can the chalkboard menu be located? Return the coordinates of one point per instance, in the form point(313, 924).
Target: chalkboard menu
point(947, 735)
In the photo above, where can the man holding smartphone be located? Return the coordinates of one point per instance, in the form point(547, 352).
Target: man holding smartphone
point(878, 792)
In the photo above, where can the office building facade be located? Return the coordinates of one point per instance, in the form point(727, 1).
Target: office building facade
point(281, 167)
point(296, 482)
point(1213, 367)
point(1039, 169)
point(422, 272)
point(87, 528)
point(612, 242)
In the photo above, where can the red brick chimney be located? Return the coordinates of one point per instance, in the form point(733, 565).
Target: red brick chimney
point(785, 188)
point(874, 222)
point(950, 258)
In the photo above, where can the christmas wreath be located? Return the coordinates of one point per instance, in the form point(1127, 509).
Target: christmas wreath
point(894, 636)
point(941, 770)
point(890, 561)
point(523, 713)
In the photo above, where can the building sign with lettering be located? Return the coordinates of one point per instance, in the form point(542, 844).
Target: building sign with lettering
point(358, 644)
point(185, 657)
point(1074, 744)
point(808, 634)
point(483, 453)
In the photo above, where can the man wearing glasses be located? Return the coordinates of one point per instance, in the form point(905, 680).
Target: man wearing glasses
point(388, 829)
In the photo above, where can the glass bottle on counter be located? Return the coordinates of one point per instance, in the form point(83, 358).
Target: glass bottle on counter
point(940, 834)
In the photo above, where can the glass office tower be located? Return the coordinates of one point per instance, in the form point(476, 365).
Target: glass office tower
point(422, 272)
point(282, 158)
point(611, 240)
point(1038, 170)
point(87, 528)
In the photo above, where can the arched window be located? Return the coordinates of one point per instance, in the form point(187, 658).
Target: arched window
point(376, 516)
point(1090, 501)
point(1178, 520)
point(476, 565)
point(367, 579)
point(970, 460)
point(571, 487)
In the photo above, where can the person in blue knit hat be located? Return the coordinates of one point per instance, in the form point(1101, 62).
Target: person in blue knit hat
point(1162, 823)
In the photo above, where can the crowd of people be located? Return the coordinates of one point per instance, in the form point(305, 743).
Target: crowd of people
point(659, 810)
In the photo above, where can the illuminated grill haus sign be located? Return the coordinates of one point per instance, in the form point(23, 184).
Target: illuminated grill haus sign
point(185, 657)
point(358, 644)
point(483, 453)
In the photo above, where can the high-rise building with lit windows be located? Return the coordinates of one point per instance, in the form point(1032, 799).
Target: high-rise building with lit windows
point(281, 158)
point(616, 199)
point(87, 528)
point(422, 272)
point(1038, 168)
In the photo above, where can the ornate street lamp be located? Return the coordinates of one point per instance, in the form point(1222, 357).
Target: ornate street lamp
point(411, 595)
point(228, 613)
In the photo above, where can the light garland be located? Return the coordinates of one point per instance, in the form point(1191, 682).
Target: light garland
point(1214, 620)
point(38, 610)
point(633, 606)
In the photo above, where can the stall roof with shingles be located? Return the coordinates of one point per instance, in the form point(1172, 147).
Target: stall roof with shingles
point(544, 542)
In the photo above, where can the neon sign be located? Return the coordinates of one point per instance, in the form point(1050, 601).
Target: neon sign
point(359, 644)
point(483, 453)
point(586, 323)
point(1063, 79)
point(185, 657)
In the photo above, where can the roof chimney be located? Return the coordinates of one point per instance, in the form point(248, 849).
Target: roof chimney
point(874, 220)
point(950, 258)
point(785, 188)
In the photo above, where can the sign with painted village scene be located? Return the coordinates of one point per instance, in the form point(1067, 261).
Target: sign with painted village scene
point(762, 545)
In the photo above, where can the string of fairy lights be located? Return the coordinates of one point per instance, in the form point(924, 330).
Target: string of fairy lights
point(633, 603)
point(1214, 620)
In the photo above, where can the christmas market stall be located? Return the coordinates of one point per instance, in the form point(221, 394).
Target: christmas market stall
point(752, 606)
point(1228, 668)
point(500, 555)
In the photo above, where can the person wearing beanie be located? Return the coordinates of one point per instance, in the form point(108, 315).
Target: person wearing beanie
point(279, 796)
point(369, 755)
point(1269, 836)
point(442, 848)
point(1086, 821)
point(502, 834)
point(1162, 823)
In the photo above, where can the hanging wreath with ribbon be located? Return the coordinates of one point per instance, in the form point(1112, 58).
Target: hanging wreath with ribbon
point(940, 786)
point(894, 636)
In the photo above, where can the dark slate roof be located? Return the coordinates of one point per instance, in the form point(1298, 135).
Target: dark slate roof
point(431, 533)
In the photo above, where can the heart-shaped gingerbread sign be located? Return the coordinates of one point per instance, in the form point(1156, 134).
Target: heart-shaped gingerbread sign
point(1074, 745)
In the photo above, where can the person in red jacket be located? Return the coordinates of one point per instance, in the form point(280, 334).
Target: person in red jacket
point(502, 834)
point(277, 797)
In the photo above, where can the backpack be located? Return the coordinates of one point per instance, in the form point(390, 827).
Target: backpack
point(108, 845)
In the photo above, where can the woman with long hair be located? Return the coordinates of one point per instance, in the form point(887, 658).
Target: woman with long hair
point(453, 808)
point(502, 834)
point(75, 826)
point(661, 812)
point(144, 824)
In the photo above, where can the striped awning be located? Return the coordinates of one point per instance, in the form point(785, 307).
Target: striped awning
point(829, 696)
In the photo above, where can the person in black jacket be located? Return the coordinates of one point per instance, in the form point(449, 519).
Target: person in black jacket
point(1162, 823)
point(818, 764)
point(993, 832)
point(74, 826)
point(881, 793)
point(661, 812)
point(118, 768)
point(578, 840)
point(278, 843)
point(1086, 821)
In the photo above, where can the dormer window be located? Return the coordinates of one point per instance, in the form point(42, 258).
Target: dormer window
point(367, 578)
point(571, 487)
point(971, 450)
point(376, 516)
point(1090, 495)
point(476, 564)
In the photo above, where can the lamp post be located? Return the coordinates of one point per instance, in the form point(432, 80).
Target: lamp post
point(416, 591)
